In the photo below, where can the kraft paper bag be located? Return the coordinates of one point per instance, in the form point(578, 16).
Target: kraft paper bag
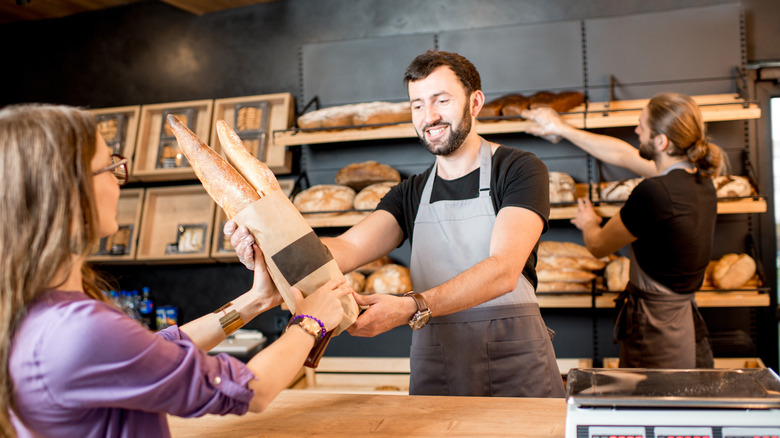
point(294, 254)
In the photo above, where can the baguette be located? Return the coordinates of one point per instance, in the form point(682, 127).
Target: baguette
point(252, 169)
point(223, 183)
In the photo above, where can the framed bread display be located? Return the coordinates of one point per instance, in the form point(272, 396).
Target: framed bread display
point(121, 246)
point(176, 224)
point(119, 127)
point(157, 154)
point(255, 118)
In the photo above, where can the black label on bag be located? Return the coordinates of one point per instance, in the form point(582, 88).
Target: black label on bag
point(301, 258)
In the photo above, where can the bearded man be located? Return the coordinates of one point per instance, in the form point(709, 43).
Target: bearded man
point(473, 219)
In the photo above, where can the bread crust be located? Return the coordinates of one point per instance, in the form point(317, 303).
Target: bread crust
point(222, 182)
point(252, 169)
point(733, 271)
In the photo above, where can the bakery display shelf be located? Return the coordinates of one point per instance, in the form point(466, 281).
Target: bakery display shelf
point(121, 246)
point(754, 297)
point(269, 113)
point(714, 108)
point(157, 154)
point(176, 225)
point(119, 128)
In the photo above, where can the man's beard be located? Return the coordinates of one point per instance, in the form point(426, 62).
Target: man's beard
point(456, 138)
point(647, 151)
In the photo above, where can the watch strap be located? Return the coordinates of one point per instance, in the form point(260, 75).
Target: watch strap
point(422, 306)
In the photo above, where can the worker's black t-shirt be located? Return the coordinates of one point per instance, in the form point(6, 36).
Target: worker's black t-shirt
point(673, 218)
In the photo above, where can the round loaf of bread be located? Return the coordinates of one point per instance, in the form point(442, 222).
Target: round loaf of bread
point(330, 198)
point(733, 271)
point(389, 279)
point(370, 267)
point(369, 197)
point(356, 281)
point(562, 187)
point(363, 174)
point(619, 190)
point(733, 186)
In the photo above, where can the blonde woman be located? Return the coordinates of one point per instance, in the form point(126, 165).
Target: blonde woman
point(73, 365)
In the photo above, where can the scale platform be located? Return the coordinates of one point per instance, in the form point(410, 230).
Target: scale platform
point(663, 403)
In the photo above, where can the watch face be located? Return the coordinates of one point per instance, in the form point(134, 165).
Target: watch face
point(311, 326)
point(419, 319)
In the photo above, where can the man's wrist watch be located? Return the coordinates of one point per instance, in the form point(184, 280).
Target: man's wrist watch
point(309, 324)
point(423, 314)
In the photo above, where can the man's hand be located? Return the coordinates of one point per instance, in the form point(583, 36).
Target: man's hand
point(242, 240)
point(586, 215)
point(548, 123)
point(384, 313)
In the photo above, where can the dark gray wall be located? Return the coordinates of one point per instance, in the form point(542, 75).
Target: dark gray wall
point(150, 52)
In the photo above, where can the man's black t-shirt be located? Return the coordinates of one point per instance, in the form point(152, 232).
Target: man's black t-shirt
point(518, 179)
point(673, 218)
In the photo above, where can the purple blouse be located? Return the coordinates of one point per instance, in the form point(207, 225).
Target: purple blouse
point(81, 368)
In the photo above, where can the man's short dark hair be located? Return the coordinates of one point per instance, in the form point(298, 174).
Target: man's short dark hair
point(423, 65)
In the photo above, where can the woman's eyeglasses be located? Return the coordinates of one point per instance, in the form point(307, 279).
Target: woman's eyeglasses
point(118, 167)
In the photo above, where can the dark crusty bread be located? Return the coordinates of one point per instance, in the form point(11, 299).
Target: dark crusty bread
point(363, 174)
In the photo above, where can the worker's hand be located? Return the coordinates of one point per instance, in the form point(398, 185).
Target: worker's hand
point(324, 303)
point(586, 215)
point(549, 124)
point(242, 240)
point(384, 313)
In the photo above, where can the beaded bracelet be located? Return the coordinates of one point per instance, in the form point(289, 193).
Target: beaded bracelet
point(297, 317)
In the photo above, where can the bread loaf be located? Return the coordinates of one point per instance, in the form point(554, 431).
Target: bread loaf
point(562, 188)
point(356, 115)
point(363, 174)
point(369, 197)
point(569, 262)
point(733, 270)
point(733, 186)
point(370, 267)
point(616, 274)
point(619, 190)
point(560, 102)
point(560, 286)
point(549, 248)
point(356, 281)
point(325, 199)
point(389, 279)
point(253, 170)
point(511, 105)
point(565, 275)
point(222, 182)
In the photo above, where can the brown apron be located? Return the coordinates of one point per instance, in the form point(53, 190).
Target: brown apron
point(659, 328)
point(498, 348)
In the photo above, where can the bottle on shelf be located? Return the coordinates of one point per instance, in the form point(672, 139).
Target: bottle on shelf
point(146, 309)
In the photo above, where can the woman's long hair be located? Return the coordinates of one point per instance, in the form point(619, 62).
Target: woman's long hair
point(679, 118)
point(48, 214)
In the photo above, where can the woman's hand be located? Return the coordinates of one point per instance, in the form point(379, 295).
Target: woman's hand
point(243, 241)
point(263, 286)
point(586, 215)
point(324, 303)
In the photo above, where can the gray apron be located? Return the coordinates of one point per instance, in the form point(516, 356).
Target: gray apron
point(657, 327)
point(498, 348)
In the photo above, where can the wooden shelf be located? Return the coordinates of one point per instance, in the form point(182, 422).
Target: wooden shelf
point(704, 298)
point(121, 247)
point(714, 108)
point(275, 112)
point(122, 122)
point(150, 165)
point(173, 216)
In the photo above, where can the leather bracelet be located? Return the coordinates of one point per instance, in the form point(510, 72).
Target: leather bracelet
point(230, 321)
point(299, 317)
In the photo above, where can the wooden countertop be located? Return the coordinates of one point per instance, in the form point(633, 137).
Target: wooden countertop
point(302, 413)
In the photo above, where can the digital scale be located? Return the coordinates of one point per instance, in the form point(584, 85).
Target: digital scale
point(650, 403)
